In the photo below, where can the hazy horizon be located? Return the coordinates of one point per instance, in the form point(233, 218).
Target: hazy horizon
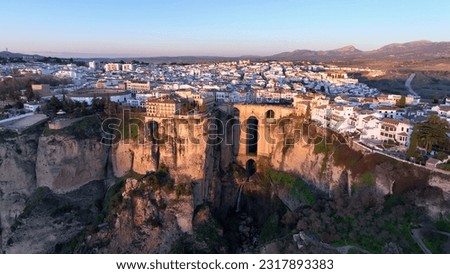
point(201, 28)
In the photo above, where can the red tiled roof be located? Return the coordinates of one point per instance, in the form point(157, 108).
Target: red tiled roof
point(390, 121)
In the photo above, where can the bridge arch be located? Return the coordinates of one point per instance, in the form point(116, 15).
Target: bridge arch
point(250, 167)
point(252, 135)
point(236, 113)
point(270, 114)
point(269, 117)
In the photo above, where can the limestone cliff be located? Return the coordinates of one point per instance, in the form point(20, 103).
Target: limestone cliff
point(65, 163)
point(155, 217)
point(184, 149)
point(179, 149)
point(313, 167)
point(145, 216)
point(50, 220)
point(17, 178)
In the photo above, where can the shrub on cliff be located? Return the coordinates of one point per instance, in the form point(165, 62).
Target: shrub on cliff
point(296, 186)
point(89, 127)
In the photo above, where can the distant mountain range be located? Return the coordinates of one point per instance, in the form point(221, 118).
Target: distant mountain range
point(412, 51)
point(418, 50)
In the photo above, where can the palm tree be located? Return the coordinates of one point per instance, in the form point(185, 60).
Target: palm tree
point(432, 133)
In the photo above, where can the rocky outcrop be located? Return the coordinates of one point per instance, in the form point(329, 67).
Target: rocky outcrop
point(318, 169)
point(185, 150)
point(65, 163)
point(158, 218)
point(176, 150)
point(147, 220)
point(17, 179)
point(49, 220)
point(441, 181)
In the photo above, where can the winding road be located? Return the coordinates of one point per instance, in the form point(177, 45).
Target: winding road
point(415, 233)
point(408, 84)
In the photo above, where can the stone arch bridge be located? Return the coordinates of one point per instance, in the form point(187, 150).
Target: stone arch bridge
point(256, 136)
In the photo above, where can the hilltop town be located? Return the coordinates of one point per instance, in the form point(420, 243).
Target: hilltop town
point(325, 94)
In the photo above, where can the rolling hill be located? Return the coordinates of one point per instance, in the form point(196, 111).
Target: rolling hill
point(418, 50)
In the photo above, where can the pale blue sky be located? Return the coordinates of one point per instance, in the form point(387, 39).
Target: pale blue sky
point(213, 27)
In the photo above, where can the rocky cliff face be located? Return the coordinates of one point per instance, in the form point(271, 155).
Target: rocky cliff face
point(158, 218)
point(65, 163)
point(300, 159)
point(17, 179)
point(146, 219)
point(50, 221)
point(185, 150)
point(179, 149)
point(60, 160)
point(330, 165)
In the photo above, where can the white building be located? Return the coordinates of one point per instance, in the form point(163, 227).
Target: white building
point(93, 65)
point(341, 118)
point(31, 107)
point(389, 112)
point(369, 128)
point(396, 130)
point(88, 96)
point(128, 67)
point(138, 86)
point(112, 67)
point(320, 114)
point(443, 111)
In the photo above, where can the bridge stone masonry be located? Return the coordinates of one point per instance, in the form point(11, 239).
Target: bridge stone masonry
point(253, 133)
point(258, 132)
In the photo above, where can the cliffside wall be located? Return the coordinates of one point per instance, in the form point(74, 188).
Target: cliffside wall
point(201, 154)
point(64, 163)
point(17, 178)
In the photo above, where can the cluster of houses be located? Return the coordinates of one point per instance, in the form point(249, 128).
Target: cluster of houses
point(333, 98)
point(376, 121)
point(227, 82)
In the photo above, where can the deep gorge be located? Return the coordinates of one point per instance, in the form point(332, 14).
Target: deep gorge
point(179, 196)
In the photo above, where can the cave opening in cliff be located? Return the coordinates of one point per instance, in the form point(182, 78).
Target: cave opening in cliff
point(153, 127)
point(250, 166)
point(252, 135)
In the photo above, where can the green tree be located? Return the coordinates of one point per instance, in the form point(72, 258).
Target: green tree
point(442, 156)
point(29, 93)
point(19, 105)
point(402, 102)
point(433, 133)
point(98, 104)
point(412, 150)
point(54, 104)
point(435, 99)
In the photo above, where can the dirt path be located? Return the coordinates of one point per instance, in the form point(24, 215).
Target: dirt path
point(415, 233)
point(408, 84)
